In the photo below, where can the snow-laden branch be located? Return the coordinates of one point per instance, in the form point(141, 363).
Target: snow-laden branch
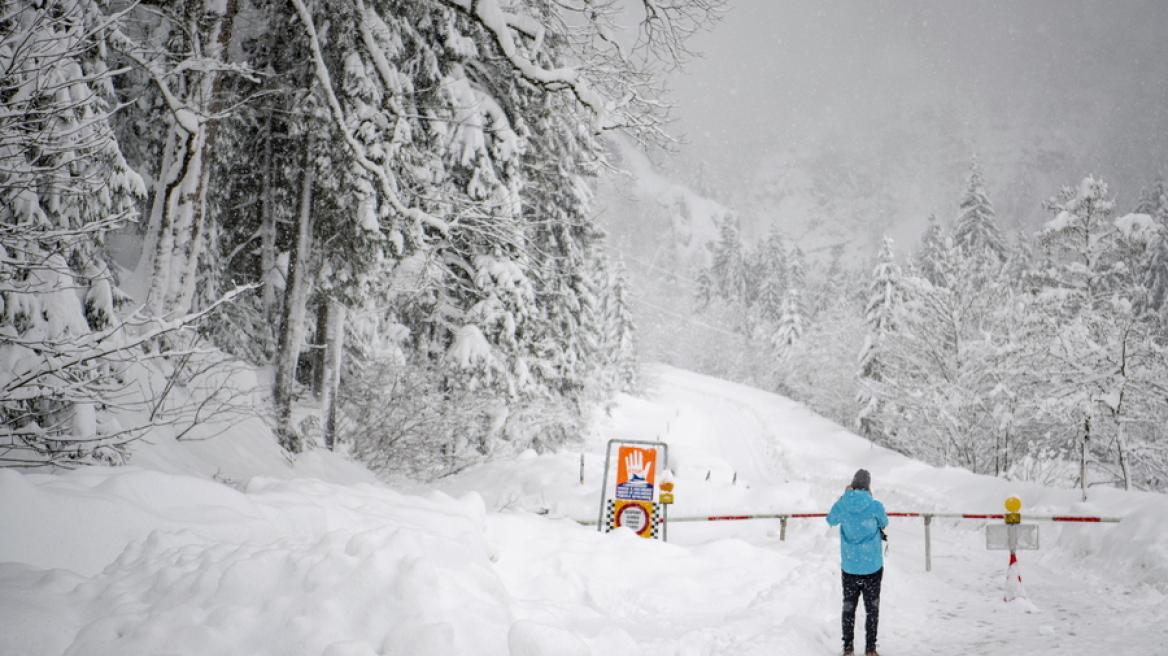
point(499, 23)
point(96, 346)
point(356, 149)
point(368, 20)
point(184, 117)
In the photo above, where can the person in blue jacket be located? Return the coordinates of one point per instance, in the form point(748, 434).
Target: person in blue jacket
point(861, 519)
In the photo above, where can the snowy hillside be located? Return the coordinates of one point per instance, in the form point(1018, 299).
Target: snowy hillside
point(316, 557)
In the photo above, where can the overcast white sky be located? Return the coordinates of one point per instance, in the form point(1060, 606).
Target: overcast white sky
point(1086, 79)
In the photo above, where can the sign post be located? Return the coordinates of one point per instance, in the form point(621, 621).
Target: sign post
point(633, 499)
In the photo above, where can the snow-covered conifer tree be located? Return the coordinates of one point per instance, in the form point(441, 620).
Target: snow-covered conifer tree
point(885, 295)
point(1020, 266)
point(975, 231)
point(64, 186)
point(771, 266)
point(789, 329)
point(1080, 238)
point(1104, 352)
point(623, 342)
point(1155, 274)
point(1154, 270)
point(1154, 201)
point(933, 256)
point(705, 288)
point(937, 367)
point(728, 263)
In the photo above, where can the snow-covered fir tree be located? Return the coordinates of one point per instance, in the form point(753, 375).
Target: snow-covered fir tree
point(64, 186)
point(975, 230)
point(770, 271)
point(884, 296)
point(933, 254)
point(728, 265)
point(789, 328)
point(1154, 201)
point(1080, 239)
point(1154, 269)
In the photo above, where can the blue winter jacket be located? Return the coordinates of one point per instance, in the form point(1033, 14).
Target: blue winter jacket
point(860, 518)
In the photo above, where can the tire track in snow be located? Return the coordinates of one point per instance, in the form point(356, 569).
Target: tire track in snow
point(749, 445)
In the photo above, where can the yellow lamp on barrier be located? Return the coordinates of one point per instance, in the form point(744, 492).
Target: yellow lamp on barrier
point(1013, 505)
point(667, 492)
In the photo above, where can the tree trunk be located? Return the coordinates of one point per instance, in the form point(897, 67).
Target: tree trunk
point(295, 309)
point(268, 233)
point(1006, 452)
point(158, 205)
point(164, 251)
point(997, 454)
point(209, 100)
point(1121, 447)
point(320, 339)
point(189, 248)
point(1083, 456)
point(333, 359)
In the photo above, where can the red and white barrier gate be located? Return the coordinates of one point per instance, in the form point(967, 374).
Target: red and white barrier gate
point(927, 517)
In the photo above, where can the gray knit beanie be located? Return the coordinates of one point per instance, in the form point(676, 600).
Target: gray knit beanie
point(862, 480)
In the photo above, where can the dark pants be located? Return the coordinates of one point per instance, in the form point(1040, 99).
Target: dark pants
point(869, 586)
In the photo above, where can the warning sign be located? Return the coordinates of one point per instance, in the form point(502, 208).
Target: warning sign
point(636, 473)
point(633, 515)
point(630, 498)
point(641, 517)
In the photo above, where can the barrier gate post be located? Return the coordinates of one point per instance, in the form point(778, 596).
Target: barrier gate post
point(928, 543)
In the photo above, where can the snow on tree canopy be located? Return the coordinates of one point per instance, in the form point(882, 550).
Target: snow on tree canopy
point(469, 348)
point(1132, 225)
point(1089, 190)
point(505, 273)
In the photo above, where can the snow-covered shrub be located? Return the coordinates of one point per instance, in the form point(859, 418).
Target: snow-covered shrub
point(401, 422)
point(404, 420)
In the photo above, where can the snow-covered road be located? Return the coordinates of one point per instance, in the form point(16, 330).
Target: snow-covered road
point(1073, 607)
point(304, 561)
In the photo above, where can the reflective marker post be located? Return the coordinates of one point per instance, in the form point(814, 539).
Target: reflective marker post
point(928, 543)
point(1012, 535)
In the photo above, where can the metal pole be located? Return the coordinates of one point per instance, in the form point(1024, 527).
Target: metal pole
point(928, 543)
point(665, 522)
point(603, 488)
point(782, 528)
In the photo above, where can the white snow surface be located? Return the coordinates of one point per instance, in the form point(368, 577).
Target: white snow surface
point(316, 557)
